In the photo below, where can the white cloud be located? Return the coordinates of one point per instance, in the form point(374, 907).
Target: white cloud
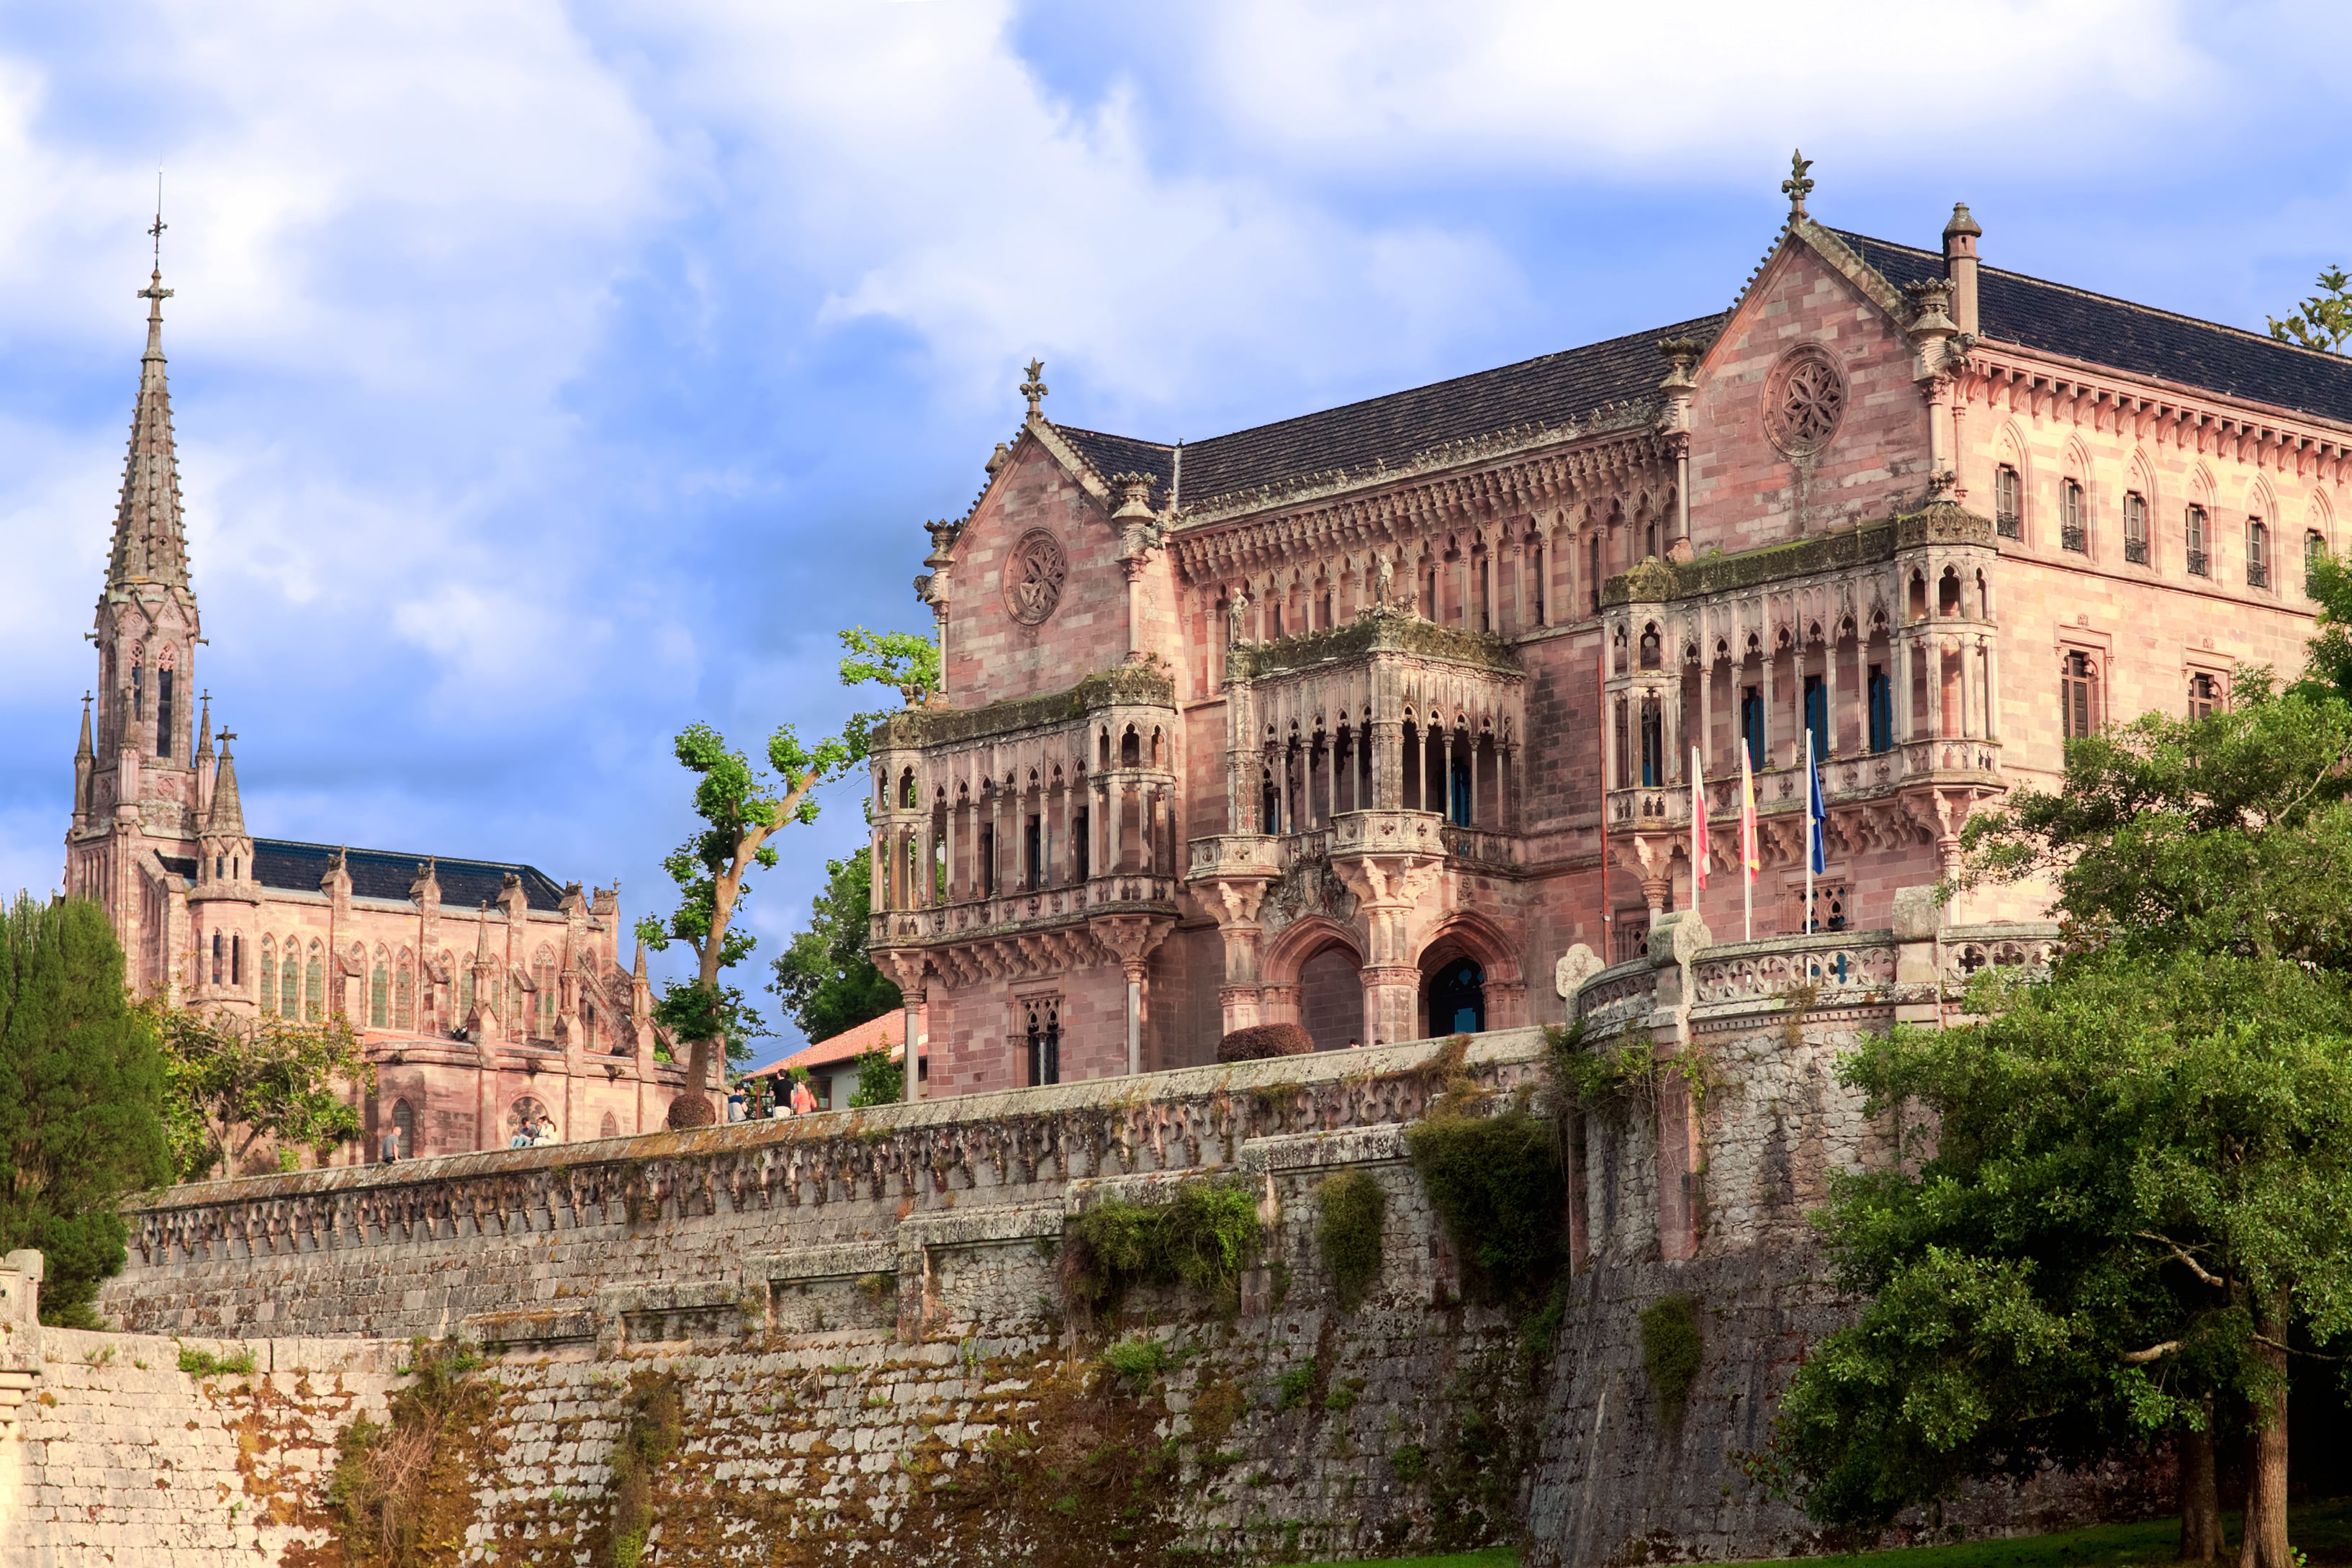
point(913, 163)
point(1602, 90)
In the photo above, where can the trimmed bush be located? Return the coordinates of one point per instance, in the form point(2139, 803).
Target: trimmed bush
point(1353, 1210)
point(689, 1109)
point(1264, 1040)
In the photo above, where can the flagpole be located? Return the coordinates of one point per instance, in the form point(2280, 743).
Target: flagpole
point(1809, 830)
point(1747, 841)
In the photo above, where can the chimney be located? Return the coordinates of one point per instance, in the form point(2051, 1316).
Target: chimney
point(1961, 266)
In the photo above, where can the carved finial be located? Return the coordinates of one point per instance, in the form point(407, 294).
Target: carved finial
point(1033, 389)
point(1798, 185)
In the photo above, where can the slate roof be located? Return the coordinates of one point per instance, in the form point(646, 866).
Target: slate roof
point(387, 874)
point(2055, 319)
point(1551, 389)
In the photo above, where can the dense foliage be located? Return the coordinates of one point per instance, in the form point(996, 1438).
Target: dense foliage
point(2140, 1189)
point(824, 980)
point(1351, 1211)
point(1671, 1351)
point(81, 1095)
point(1496, 1183)
point(238, 1091)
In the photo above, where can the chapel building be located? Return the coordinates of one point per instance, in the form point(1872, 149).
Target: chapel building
point(1367, 719)
point(490, 1000)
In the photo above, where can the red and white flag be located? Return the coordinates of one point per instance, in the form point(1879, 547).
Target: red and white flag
point(1698, 822)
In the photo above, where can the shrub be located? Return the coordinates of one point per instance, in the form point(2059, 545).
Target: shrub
point(383, 1489)
point(1137, 1362)
point(1261, 1041)
point(1203, 1236)
point(1670, 1351)
point(657, 1427)
point(204, 1363)
point(880, 1081)
point(1496, 1183)
point(690, 1111)
point(1353, 1210)
point(1295, 1387)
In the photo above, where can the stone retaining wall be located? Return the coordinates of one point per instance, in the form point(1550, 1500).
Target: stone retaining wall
point(864, 1317)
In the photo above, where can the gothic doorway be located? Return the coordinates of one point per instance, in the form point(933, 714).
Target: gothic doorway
point(1457, 998)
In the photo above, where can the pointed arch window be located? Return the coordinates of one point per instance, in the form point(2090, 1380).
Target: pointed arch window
point(2008, 503)
point(289, 990)
point(2073, 517)
point(138, 687)
point(2258, 553)
point(1044, 1040)
point(164, 712)
point(2135, 528)
point(220, 958)
point(465, 994)
point(2200, 560)
point(404, 994)
point(235, 960)
point(380, 991)
point(2315, 546)
point(269, 975)
point(314, 987)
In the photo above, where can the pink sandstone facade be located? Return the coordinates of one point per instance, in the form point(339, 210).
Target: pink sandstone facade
point(484, 994)
point(1373, 719)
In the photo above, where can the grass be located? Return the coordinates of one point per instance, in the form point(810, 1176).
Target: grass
point(2322, 1530)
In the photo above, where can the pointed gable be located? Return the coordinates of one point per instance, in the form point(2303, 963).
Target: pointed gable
point(1818, 332)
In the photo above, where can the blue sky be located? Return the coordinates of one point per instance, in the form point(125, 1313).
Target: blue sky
point(549, 376)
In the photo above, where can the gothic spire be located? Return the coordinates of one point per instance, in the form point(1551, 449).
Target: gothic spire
point(227, 819)
point(83, 752)
point(148, 543)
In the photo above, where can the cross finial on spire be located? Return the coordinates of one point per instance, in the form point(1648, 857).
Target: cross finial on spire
point(155, 231)
point(1798, 185)
point(1033, 389)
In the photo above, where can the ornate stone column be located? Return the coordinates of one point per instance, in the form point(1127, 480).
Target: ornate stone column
point(1391, 861)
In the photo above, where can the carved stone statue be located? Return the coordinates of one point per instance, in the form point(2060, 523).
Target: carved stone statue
point(1238, 621)
point(1383, 580)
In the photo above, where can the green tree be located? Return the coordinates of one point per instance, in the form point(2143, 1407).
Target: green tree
point(235, 1089)
point(81, 1090)
point(825, 979)
point(2142, 1181)
point(742, 808)
point(2325, 319)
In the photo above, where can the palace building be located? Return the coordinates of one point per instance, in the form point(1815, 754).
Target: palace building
point(1368, 719)
point(489, 999)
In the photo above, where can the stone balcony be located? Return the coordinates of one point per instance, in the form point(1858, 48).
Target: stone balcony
point(1025, 910)
point(1850, 780)
point(1350, 834)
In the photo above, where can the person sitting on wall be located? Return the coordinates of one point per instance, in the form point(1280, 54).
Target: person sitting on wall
point(389, 1148)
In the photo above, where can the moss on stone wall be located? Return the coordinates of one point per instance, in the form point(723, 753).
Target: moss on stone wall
point(1353, 1212)
point(1496, 1184)
point(402, 1489)
point(1203, 1236)
point(1671, 1351)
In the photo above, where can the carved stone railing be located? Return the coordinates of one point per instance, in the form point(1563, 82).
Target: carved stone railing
point(961, 1154)
point(1618, 997)
point(1858, 961)
point(1235, 854)
point(2013, 945)
point(1388, 832)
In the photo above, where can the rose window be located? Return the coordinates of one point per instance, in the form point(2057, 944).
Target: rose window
point(1803, 402)
point(1033, 577)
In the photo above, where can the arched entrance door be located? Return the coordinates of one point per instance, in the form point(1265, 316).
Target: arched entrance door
point(1457, 998)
